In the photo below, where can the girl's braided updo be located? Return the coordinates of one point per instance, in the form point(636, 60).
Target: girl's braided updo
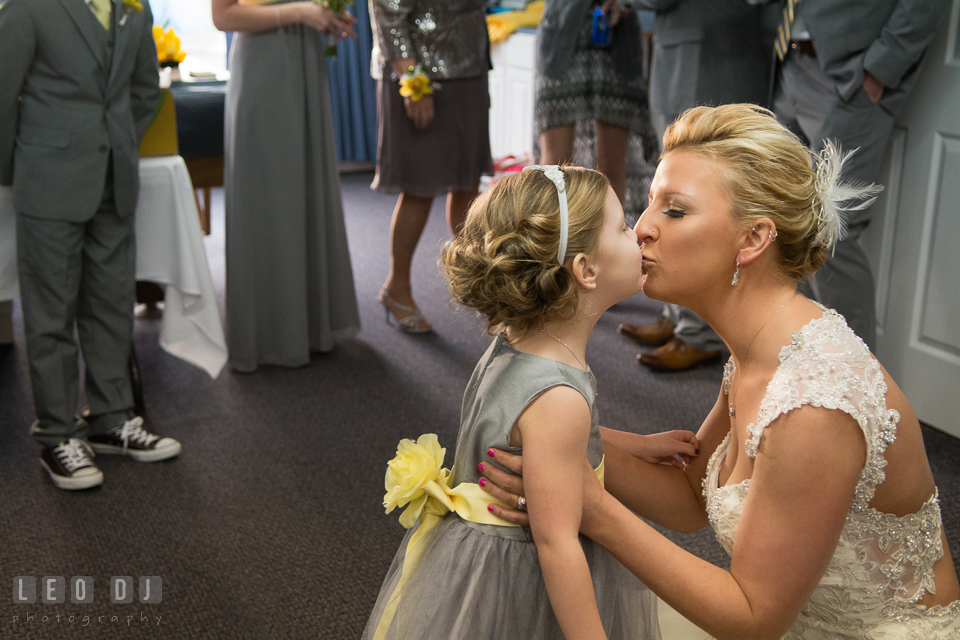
point(504, 262)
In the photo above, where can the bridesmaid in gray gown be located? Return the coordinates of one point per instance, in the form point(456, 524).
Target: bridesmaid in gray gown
point(290, 285)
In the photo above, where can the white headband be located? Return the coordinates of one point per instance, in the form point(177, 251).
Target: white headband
point(553, 172)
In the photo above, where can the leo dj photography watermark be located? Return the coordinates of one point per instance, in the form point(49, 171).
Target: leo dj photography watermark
point(53, 590)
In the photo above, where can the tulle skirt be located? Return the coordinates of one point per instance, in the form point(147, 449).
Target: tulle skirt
point(473, 583)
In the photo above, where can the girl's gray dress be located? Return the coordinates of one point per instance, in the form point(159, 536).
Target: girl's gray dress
point(484, 581)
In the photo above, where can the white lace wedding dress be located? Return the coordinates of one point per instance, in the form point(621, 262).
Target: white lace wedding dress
point(883, 563)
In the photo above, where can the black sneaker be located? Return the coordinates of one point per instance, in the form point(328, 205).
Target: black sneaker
point(71, 466)
point(131, 439)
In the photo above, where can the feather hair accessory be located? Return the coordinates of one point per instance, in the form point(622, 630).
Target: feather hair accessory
point(836, 196)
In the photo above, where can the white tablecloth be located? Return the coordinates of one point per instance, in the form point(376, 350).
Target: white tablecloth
point(170, 252)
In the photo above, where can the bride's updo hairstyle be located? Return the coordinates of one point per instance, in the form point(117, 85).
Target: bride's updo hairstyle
point(504, 262)
point(771, 174)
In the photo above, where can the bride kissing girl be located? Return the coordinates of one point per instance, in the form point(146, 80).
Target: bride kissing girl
point(812, 470)
point(542, 255)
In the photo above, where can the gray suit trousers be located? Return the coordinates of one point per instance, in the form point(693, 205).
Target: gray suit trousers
point(78, 275)
point(807, 101)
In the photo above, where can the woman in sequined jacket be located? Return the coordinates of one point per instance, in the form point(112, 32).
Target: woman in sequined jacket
point(438, 144)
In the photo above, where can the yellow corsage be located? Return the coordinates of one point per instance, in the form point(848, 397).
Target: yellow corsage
point(415, 84)
point(136, 5)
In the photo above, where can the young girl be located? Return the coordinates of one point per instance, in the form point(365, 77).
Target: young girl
point(542, 255)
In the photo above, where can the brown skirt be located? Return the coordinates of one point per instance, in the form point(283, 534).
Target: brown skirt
point(449, 156)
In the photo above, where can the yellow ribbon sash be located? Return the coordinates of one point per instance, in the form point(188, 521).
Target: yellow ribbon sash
point(415, 478)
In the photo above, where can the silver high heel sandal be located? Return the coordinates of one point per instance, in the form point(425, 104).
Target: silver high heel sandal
point(409, 324)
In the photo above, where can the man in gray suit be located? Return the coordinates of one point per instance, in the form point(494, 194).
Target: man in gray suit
point(847, 69)
point(78, 89)
point(705, 52)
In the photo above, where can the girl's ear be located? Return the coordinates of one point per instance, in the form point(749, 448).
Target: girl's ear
point(584, 271)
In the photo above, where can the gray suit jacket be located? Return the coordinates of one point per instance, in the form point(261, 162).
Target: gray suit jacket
point(706, 52)
point(885, 37)
point(65, 103)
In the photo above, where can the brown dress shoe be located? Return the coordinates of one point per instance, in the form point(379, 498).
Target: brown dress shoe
point(659, 332)
point(676, 355)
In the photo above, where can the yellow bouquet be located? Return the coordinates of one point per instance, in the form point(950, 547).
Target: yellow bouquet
point(169, 53)
point(415, 84)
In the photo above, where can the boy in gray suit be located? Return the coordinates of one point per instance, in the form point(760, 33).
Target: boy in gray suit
point(78, 89)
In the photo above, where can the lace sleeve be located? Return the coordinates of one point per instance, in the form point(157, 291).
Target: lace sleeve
point(827, 365)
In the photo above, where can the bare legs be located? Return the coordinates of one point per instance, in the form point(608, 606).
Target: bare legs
point(611, 152)
point(458, 202)
point(556, 147)
point(409, 218)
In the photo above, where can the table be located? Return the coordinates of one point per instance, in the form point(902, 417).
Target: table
point(170, 252)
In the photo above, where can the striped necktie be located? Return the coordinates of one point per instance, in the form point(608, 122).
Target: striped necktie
point(101, 9)
point(783, 31)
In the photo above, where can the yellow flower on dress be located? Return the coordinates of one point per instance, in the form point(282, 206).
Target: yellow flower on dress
point(415, 465)
point(415, 84)
point(168, 44)
point(134, 4)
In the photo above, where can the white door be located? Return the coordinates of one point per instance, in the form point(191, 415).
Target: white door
point(914, 240)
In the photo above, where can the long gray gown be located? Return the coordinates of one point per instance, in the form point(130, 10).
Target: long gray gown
point(289, 281)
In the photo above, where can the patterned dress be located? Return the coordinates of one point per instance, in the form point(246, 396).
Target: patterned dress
point(578, 81)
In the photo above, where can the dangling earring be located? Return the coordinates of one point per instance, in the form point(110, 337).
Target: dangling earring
point(736, 275)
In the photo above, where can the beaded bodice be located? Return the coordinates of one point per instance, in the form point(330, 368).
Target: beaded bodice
point(883, 563)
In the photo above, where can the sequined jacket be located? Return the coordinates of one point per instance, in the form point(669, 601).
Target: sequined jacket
point(447, 37)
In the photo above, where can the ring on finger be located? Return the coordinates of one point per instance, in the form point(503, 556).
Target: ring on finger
point(522, 503)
